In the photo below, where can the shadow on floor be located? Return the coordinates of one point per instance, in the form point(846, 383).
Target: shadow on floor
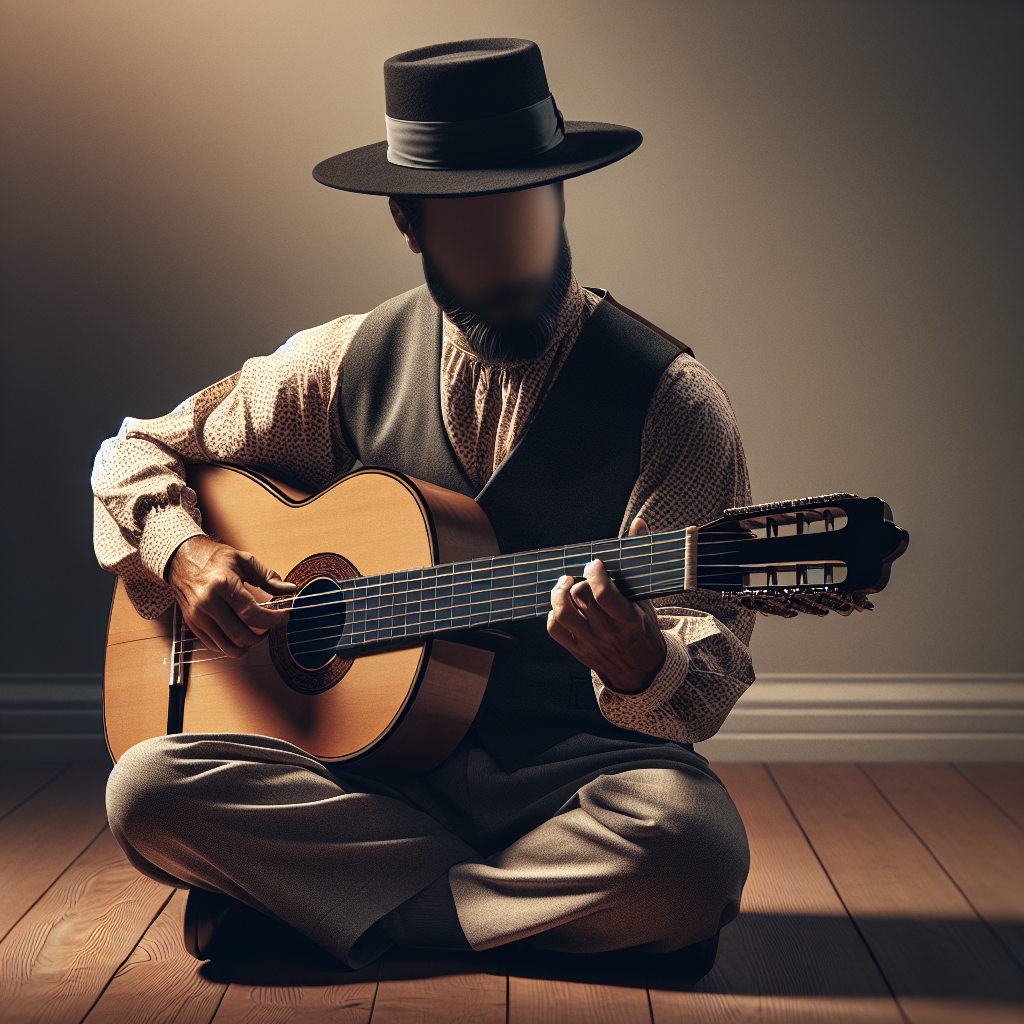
point(759, 954)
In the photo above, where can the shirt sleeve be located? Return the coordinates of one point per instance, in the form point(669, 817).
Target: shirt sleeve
point(278, 414)
point(692, 468)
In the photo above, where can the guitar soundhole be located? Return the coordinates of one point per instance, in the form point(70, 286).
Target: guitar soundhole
point(315, 625)
point(304, 651)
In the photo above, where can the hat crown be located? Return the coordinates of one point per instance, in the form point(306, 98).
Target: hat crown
point(465, 80)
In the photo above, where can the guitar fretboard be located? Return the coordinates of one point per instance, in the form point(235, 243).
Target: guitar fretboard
point(503, 588)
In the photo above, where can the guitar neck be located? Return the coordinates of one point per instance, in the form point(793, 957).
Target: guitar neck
point(504, 588)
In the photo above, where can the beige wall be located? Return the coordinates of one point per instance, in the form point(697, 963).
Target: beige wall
point(827, 207)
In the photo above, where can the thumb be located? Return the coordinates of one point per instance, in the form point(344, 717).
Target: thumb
point(253, 571)
point(638, 527)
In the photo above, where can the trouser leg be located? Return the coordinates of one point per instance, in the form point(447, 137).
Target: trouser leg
point(258, 819)
point(646, 858)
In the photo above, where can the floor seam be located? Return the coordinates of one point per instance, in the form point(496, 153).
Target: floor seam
point(942, 867)
point(835, 889)
point(35, 792)
point(128, 957)
point(61, 874)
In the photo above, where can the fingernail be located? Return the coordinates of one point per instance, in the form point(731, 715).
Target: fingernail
point(590, 565)
point(561, 581)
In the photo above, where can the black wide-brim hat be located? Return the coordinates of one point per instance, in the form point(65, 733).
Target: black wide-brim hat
point(472, 118)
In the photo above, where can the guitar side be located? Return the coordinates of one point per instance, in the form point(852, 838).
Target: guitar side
point(399, 711)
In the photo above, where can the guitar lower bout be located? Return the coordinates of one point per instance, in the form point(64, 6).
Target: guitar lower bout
point(397, 711)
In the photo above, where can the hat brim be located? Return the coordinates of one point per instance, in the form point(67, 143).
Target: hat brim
point(587, 146)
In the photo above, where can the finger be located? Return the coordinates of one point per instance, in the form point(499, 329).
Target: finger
point(583, 597)
point(200, 634)
point(250, 612)
point(253, 571)
point(581, 645)
point(212, 636)
point(237, 632)
point(606, 594)
point(563, 609)
point(275, 585)
point(638, 527)
point(566, 637)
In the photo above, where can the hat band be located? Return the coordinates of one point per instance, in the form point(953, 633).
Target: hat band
point(483, 142)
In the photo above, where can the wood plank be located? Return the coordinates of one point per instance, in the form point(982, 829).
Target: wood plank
point(547, 1001)
point(1003, 784)
point(942, 962)
point(160, 982)
point(45, 834)
point(416, 988)
point(793, 955)
point(61, 954)
point(19, 781)
point(980, 848)
point(296, 987)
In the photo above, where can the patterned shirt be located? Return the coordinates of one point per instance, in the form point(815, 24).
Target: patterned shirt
point(279, 414)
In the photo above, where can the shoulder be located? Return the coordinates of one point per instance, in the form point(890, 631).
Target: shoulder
point(688, 394)
point(692, 452)
point(325, 344)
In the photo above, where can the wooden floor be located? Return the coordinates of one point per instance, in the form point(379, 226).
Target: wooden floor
point(883, 893)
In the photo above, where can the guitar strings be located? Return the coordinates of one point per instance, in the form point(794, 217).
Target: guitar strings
point(659, 579)
point(387, 612)
point(649, 545)
point(661, 544)
point(349, 589)
point(535, 612)
point(491, 599)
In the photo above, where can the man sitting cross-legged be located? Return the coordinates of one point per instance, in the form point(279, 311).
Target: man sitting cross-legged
point(575, 815)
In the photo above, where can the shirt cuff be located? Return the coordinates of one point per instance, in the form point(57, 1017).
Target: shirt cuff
point(167, 527)
point(665, 683)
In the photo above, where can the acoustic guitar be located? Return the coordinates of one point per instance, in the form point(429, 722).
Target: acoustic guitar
point(401, 595)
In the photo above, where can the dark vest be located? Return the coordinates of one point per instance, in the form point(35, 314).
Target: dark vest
point(568, 479)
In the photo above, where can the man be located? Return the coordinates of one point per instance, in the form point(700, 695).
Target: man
point(575, 816)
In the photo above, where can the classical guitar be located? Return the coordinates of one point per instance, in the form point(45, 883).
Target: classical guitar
point(401, 595)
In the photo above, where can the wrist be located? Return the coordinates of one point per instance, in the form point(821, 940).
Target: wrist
point(637, 683)
point(164, 530)
point(182, 550)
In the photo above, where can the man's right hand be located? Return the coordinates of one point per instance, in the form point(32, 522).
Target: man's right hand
point(208, 580)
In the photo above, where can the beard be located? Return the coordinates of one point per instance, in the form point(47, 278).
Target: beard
point(515, 338)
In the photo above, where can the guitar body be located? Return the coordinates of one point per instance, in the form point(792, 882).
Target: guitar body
point(399, 711)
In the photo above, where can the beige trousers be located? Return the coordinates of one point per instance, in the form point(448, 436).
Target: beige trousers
point(601, 844)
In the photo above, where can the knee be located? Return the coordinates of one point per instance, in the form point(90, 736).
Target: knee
point(140, 787)
point(681, 824)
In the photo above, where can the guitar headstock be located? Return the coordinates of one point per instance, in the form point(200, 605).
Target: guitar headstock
point(812, 555)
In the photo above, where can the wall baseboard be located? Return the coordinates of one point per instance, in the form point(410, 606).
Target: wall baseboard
point(56, 717)
point(862, 717)
point(783, 717)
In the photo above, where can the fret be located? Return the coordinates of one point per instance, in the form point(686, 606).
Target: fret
point(400, 605)
point(609, 551)
point(444, 596)
point(524, 585)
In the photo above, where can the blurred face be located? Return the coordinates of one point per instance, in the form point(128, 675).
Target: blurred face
point(496, 255)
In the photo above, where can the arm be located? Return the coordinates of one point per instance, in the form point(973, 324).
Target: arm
point(692, 467)
point(278, 414)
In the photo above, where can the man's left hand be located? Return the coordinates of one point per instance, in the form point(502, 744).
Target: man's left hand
point(619, 640)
